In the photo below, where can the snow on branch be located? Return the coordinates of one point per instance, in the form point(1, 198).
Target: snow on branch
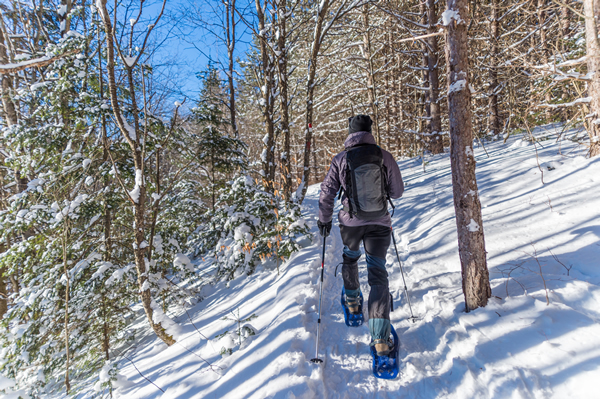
point(584, 100)
point(422, 88)
point(410, 39)
point(36, 62)
point(563, 64)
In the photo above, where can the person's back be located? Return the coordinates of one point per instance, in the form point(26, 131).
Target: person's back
point(360, 221)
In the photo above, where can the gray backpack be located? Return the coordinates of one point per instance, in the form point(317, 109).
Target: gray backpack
point(366, 182)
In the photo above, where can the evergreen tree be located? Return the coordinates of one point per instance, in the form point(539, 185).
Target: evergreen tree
point(220, 154)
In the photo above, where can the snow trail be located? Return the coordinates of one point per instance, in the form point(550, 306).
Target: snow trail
point(516, 347)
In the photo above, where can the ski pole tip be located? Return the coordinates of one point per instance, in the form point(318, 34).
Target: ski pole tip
point(316, 360)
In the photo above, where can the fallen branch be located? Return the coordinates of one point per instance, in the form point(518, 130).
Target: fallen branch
point(36, 62)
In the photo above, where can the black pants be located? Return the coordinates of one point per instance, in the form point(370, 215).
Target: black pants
point(376, 241)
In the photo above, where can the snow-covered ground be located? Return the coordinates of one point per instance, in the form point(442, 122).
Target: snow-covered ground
point(516, 347)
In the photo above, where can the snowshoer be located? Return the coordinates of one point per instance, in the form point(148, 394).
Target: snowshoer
point(367, 176)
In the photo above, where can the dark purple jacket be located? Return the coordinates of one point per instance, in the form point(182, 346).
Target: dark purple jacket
point(336, 177)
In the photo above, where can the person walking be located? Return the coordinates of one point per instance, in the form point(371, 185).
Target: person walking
point(368, 177)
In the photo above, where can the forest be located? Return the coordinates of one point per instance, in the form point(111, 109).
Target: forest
point(129, 182)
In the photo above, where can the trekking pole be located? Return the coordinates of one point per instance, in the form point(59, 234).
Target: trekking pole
point(412, 316)
point(316, 358)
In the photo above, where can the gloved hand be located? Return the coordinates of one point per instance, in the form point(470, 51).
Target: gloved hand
point(324, 228)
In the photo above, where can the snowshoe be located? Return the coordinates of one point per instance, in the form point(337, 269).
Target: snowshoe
point(353, 319)
point(387, 367)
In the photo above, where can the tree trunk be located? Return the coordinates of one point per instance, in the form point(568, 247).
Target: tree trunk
point(399, 110)
point(436, 144)
point(107, 233)
point(494, 118)
point(7, 86)
point(268, 156)
point(424, 123)
point(155, 207)
point(286, 171)
point(310, 92)
point(387, 80)
point(11, 119)
point(105, 342)
point(67, 289)
point(3, 292)
point(212, 181)
point(368, 55)
point(63, 17)
point(565, 20)
point(136, 153)
point(230, 7)
point(545, 52)
point(469, 223)
point(593, 64)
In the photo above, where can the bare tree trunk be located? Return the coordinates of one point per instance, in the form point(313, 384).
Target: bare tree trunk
point(7, 86)
point(310, 92)
point(565, 19)
point(388, 82)
point(315, 164)
point(593, 63)
point(267, 95)
point(541, 14)
point(395, 96)
point(105, 330)
point(63, 17)
point(66, 321)
point(105, 341)
point(469, 223)
point(230, 16)
point(282, 63)
point(3, 292)
point(425, 134)
point(132, 135)
point(436, 144)
point(106, 145)
point(426, 114)
point(399, 110)
point(11, 119)
point(368, 55)
point(494, 118)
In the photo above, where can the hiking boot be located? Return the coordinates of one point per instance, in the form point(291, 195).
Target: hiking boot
point(383, 346)
point(353, 304)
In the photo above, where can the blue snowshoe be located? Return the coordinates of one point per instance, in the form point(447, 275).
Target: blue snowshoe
point(387, 367)
point(353, 320)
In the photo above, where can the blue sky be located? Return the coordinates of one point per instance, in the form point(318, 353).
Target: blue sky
point(188, 29)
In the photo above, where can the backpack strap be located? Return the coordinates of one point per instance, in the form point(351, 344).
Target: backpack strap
point(348, 209)
point(387, 192)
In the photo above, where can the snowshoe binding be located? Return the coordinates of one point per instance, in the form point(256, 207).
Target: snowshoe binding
point(386, 366)
point(356, 318)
